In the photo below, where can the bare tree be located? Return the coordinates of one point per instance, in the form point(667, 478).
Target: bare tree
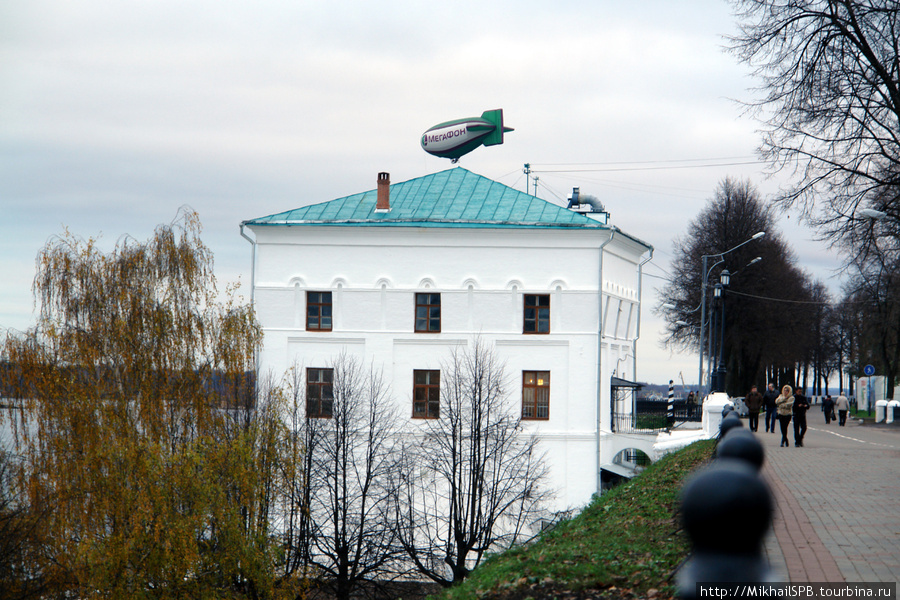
point(813, 341)
point(472, 477)
point(351, 438)
point(844, 333)
point(832, 342)
point(294, 519)
point(762, 319)
point(874, 291)
point(871, 298)
point(830, 78)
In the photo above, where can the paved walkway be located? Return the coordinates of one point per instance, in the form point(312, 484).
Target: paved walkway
point(837, 502)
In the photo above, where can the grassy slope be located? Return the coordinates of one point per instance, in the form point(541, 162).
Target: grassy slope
point(626, 542)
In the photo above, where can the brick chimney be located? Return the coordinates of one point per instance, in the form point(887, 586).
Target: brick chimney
point(383, 203)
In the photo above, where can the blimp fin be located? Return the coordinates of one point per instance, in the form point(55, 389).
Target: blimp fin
point(496, 136)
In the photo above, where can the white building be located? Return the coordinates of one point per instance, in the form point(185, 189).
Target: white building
point(401, 274)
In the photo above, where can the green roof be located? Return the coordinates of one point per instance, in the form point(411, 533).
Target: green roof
point(452, 198)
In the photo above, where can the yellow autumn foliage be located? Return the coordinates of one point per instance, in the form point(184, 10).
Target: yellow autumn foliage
point(140, 430)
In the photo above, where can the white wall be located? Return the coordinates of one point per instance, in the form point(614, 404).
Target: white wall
point(482, 274)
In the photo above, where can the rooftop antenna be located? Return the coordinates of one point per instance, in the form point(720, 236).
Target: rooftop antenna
point(527, 170)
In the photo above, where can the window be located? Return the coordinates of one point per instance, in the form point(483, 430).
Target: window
point(426, 394)
point(319, 393)
point(535, 394)
point(428, 313)
point(537, 313)
point(318, 311)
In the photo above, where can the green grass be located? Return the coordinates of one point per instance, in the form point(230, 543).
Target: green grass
point(625, 543)
point(651, 422)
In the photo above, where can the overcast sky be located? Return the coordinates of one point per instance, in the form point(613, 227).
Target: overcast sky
point(115, 114)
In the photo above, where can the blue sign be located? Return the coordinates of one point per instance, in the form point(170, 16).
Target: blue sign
point(869, 370)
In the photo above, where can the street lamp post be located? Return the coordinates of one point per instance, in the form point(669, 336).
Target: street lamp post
point(714, 371)
point(704, 285)
point(713, 347)
point(724, 280)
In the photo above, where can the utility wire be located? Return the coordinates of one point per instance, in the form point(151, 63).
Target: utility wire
point(656, 168)
point(647, 162)
point(543, 184)
point(778, 299)
point(655, 276)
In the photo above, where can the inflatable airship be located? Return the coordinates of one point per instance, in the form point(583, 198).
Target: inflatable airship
point(456, 138)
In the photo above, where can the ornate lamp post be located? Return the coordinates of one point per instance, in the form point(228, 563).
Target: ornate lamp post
point(724, 281)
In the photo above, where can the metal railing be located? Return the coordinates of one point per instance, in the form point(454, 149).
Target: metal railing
point(650, 416)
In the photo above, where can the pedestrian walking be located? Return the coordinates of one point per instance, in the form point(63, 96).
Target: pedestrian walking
point(691, 404)
point(754, 401)
point(842, 405)
point(784, 405)
point(769, 404)
point(801, 405)
point(828, 408)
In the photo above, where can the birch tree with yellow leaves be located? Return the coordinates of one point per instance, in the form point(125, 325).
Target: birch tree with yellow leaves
point(139, 423)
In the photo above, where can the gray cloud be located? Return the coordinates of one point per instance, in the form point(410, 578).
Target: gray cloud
point(113, 115)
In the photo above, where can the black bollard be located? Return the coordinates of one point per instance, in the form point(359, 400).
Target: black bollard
point(730, 421)
point(739, 443)
point(726, 510)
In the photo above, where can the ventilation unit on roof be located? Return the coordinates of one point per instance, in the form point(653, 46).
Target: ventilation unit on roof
point(589, 206)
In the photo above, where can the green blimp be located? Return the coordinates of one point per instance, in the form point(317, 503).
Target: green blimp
point(454, 139)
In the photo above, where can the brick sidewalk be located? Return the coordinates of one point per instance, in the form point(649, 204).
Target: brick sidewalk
point(837, 501)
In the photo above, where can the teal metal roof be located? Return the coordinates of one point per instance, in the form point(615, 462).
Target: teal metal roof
point(452, 198)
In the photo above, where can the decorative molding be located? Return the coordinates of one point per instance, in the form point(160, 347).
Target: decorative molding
point(530, 427)
point(384, 283)
point(514, 285)
point(427, 283)
point(295, 281)
point(558, 435)
point(326, 340)
point(559, 284)
point(532, 341)
point(429, 340)
point(470, 282)
point(611, 288)
point(339, 282)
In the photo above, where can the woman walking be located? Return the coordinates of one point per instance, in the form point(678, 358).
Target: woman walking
point(784, 405)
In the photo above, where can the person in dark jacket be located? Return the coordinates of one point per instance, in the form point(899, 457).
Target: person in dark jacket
point(828, 408)
point(754, 402)
point(769, 404)
point(801, 405)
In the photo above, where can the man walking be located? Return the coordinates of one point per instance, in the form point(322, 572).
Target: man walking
point(801, 405)
point(842, 405)
point(769, 403)
point(828, 408)
point(754, 402)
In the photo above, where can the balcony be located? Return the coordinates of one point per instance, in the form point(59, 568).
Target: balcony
point(630, 414)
